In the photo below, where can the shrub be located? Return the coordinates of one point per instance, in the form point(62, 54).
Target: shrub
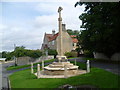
point(52, 52)
point(71, 54)
point(68, 54)
point(88, 53)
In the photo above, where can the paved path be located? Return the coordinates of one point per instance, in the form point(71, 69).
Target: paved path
point(4, 76)
point(114, 68)
point(0, 76)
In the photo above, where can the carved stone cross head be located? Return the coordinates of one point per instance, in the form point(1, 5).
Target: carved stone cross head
point(60, 9)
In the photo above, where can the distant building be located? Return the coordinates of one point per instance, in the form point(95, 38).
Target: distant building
point(2, 59)
point(0, 54)
point(51, 41)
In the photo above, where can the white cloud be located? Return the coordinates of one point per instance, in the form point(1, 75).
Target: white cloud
point(45, 21)
point(31, 34)
point(70, 15)
point(2, 27)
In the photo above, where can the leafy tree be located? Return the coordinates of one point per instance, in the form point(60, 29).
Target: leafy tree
point(10, 55)
point(72, 32)
point(101, 27)
point(4, 54)
point(34, 53)
point(21, 51)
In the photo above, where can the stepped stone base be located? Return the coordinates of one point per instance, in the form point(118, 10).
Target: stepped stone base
point(60, 76)
point(60, 72)
point(58, 68)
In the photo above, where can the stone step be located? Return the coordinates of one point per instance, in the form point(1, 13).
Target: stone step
point(59, 68)
point(60, 63)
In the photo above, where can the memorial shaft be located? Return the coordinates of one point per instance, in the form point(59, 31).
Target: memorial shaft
point(60, 30)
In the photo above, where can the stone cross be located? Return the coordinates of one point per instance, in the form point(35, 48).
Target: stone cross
point(65, 71)
point(38, 70)
point(42, 65)
point(60, 31)
point(88, 66)
point(32, 71)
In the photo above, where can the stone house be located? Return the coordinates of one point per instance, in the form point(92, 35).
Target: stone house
point(51, 41)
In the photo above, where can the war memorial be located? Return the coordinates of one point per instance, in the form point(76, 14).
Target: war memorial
point(62, 68)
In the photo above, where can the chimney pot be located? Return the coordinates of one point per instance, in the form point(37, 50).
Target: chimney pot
point(53, 32)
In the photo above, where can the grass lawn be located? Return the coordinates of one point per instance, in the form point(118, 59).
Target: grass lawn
point(97, 77)
point(23, 66)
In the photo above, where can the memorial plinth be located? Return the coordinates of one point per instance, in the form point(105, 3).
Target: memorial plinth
point(58, 68)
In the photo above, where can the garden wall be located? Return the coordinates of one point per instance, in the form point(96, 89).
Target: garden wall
point(114, 57)
point(24, 60)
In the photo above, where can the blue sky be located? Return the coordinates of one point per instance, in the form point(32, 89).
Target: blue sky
point(24, 23)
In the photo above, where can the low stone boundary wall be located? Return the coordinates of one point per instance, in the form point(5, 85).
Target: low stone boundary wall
point(24, 60)
point(43, 58)
point(114, 57)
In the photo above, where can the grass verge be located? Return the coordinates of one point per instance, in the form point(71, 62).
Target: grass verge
point(97, 77)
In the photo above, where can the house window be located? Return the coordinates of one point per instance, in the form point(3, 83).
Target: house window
point(73, 44)
point(53, 42)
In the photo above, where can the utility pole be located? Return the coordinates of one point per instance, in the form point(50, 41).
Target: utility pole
point(14, 55)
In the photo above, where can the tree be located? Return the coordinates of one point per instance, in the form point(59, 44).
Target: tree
point(4, 54)
point(20, 51)
point(72, 32)
point(9, 55)
point(101, 27)
point(34, 53)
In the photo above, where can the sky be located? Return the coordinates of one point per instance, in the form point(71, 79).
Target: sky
point(24, 23)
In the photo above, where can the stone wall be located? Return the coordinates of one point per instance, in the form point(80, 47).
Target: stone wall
point(44, 58)
point(24, 60)
point(114, 57)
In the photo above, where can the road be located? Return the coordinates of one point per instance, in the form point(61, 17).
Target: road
point(114, 68)
point(4, 75)
point(0, 76)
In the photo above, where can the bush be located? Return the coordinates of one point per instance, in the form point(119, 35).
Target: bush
point(68, 54)
point(88, 53)
point(52, 52)
point(71, 54)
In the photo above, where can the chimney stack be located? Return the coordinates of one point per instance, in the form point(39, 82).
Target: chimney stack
point(53, 32)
